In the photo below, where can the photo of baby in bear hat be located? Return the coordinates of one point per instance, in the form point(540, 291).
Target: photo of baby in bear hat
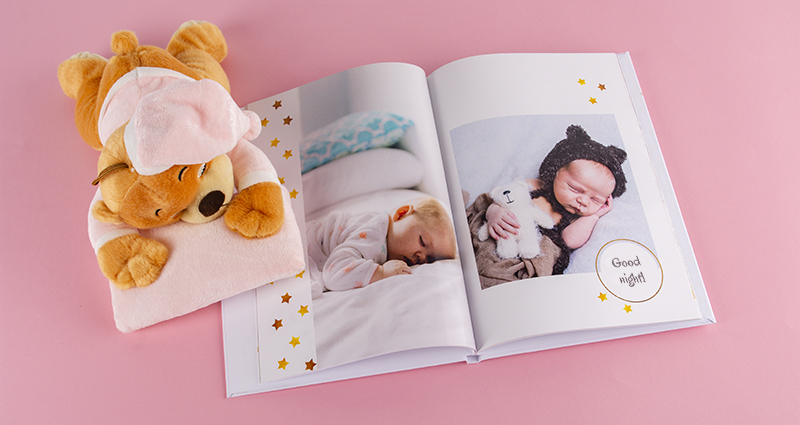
point(574, 182)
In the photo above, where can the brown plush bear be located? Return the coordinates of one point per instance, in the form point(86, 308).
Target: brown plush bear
point(173, 147)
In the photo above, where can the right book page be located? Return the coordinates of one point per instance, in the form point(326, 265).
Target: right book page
point(551, 144)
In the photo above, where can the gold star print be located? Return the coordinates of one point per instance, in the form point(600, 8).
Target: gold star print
point(278, 324)
point(581, 81)
point(299, 275)
point(303, 310)
point(592, 100)
point(295, 341)
point(601, 87)
point(264, 122)
point(602, 297)
point(282, 364)
point(287, 154)
point(282, 180)
point(271, 283)
point(277, 104)
point(362, 235)
point(287, 120)
point(627, 308)
point(310, 364)
point(285, 298)
point(274, 143)
point(293, 194)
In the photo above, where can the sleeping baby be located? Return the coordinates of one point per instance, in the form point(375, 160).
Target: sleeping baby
point(348, 251)
point(578, 180)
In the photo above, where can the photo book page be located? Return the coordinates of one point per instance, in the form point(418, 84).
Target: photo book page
point(360, 144)
point(506, 119)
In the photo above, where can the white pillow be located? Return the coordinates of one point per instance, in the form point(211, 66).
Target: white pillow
point(360, 173)
point(383, 200)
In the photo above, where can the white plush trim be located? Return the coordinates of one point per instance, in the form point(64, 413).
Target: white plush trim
point(257, 176)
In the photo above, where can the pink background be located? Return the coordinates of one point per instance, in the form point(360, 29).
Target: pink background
point(722, 86)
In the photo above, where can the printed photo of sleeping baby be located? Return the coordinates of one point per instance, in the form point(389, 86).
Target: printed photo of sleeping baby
point(379, 234)
point(353, 249)
point(350, 166)
point(551, 220)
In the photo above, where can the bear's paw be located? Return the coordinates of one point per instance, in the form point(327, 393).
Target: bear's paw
point(257, 211)
point(132, 261)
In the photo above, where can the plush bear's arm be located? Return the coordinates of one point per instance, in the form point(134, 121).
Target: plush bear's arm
point(250, 165)
point(126, 258)
point(257, 210)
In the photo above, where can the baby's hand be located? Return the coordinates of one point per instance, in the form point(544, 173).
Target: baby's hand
point(390, 268)
point(501, 222)
point(605, 208)
point(395, 267)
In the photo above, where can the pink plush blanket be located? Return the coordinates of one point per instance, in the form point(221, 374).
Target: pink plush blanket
point(207, 263)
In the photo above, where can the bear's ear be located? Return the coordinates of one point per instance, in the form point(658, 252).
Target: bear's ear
point(80, 68)
point(103, 214)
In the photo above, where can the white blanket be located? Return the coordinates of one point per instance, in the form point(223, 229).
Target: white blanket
point(424, 309)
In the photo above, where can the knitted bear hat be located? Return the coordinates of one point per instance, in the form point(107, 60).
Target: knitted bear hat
point(578, 145)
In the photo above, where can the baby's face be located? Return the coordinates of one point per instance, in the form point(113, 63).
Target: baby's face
point(412, 240)
point(583, 186)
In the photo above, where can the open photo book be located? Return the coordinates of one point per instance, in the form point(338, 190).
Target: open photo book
point(503, 204)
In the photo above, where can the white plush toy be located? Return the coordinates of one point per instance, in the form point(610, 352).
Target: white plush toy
point(516, 198)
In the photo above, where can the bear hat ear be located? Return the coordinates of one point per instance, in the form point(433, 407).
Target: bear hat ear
point(103, 214)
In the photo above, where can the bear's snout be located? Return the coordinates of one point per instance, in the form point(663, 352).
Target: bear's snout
point(211, 203)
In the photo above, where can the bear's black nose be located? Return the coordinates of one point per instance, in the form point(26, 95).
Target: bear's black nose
point(211, 203)
point(506, 192)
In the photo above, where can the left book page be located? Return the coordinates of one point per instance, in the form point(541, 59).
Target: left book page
point(353, 150)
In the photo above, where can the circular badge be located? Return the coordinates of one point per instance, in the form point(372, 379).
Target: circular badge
point(629, 270)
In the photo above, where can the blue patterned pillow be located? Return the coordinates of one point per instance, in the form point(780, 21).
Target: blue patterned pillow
point(350, 134)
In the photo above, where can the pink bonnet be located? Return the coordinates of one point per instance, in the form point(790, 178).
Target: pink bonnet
point(188, 122)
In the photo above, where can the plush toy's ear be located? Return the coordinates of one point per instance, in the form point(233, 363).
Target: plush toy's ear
point(80, 78)
point(78, 69)
point(103, 214)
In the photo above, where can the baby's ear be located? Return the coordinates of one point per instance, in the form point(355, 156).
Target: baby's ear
point(402, 212)
point(103, 214)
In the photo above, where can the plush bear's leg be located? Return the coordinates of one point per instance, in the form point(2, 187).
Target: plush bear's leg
point(201, 46)
point(529, 246)
point(79, 77)
point(132, 260)
point(507, 248)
